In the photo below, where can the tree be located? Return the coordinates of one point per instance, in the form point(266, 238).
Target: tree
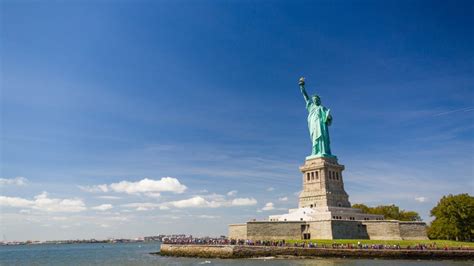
point(390, 212)
point(409, 216)
point(454, 218)
point(363, 207)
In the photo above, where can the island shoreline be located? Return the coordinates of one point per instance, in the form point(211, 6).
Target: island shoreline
point(240, 252)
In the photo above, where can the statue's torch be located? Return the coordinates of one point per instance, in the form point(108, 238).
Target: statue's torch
point(301, 81)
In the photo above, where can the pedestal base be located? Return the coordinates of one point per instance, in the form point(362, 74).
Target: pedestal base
point(323, 185)
point(321, 156)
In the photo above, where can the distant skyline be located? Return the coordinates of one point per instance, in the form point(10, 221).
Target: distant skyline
point(140, 118)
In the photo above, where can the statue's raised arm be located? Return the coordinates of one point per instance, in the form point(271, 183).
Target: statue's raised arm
point(303, 91)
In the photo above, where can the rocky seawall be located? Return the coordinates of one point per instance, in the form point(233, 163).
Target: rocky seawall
point(231, 251)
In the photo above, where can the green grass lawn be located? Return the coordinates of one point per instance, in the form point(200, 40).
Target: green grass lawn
point(402, 243)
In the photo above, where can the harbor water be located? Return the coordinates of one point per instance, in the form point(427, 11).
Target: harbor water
point(139, 254)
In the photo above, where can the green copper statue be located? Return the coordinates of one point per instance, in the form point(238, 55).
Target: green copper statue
point(319, 119)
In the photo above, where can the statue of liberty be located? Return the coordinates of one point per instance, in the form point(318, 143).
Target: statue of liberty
point(319, 119)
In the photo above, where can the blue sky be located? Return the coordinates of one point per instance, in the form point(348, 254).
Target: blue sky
point(205, 92)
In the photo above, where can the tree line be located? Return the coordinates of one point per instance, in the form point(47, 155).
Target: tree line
point(453, 217)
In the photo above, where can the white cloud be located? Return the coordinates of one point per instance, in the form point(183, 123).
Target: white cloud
point(142, 206)
point(59, 218)
point(283, 199)
point(95, 188)
point(232, 193)
point(17, 181)
point(153, 194)
point(43, 203)
point(203, 216)
point(243, 202)
point(270, 189)
point(148, 187)
point(118, 218)
point(215, 201)
point(268, 207)
point(195, 202)
point(109, 197)
point(15, 202)
point(420, 199)
point(207, 201)
point(103, 207)
point(214, 197)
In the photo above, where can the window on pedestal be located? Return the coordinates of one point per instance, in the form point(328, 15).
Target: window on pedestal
point(317, 175)
point(307, 176)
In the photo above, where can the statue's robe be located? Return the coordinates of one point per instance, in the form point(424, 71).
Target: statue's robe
point(319, 119)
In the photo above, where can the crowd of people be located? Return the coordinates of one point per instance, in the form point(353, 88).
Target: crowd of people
point(335, 245)
point(197, 241)
point(302, 244)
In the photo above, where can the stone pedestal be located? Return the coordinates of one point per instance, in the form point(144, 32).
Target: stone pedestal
point(323, 184)
point(323, 197)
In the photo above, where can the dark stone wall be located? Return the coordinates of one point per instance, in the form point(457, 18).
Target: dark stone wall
point(413, 230)
point(204, 251)
point(343, 229)
point(274, 230)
